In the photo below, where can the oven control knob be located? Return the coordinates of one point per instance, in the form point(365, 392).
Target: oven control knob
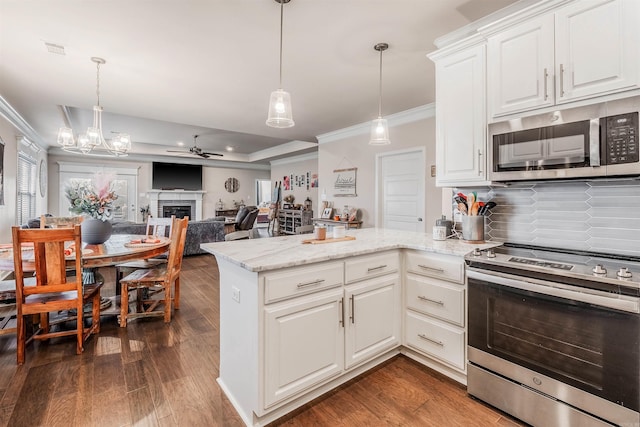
point(599, 270)
point(491, 253)
point(477, 252)
point(624, 273)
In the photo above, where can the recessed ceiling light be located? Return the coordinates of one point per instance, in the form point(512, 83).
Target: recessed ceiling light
point(54, 48)
point(180, 143)
point(229, 148)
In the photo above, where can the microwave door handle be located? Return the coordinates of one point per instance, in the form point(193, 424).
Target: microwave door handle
point(594, 142)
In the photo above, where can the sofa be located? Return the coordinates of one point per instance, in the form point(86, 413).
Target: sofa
point(203, 231)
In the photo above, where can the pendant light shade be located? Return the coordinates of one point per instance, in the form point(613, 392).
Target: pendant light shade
point(379, 127)
point(119, 146)
point(280, 114)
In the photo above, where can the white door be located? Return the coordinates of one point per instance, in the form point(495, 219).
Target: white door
point(400, 190)
point(125, 185)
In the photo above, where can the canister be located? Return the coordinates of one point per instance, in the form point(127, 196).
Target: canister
point(444, 222)
point(473, 228)
point(319, 232)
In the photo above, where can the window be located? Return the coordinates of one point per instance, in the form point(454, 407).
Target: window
point(26, 205)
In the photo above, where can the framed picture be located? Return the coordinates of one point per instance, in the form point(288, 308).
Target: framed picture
point(326, 213)
point(344, 182)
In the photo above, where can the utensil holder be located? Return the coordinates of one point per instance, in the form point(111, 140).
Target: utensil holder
point(473, 228)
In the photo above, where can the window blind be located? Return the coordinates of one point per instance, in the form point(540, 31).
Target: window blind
point(26, 183)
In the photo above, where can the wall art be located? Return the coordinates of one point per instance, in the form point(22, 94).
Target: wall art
point(344, 182)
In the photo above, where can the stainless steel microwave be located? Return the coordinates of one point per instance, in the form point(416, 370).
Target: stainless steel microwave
point(593, 141)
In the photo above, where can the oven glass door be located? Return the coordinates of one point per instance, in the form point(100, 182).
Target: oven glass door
point(589, 347)
point(562, 146)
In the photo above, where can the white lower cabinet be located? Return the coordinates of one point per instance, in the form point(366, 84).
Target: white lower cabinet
point(435, 309)
point(312, 337)
point(436, 339)
point(372, 318)
point(304, 344)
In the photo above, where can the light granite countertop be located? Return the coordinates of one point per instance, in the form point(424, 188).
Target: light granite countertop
point(288, 251)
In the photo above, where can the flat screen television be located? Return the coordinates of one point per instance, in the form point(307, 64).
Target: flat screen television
point(175, 176)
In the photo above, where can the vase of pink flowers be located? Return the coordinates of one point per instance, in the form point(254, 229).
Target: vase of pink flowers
point(93, 199)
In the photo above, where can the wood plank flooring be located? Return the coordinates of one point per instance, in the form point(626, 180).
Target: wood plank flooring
point(152, 374)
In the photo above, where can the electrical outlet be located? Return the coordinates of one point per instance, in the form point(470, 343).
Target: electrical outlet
point(235, 295)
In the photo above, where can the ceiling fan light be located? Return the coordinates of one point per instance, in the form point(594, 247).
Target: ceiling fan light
point(280, 114)
point(65, 137)
point(379, 132)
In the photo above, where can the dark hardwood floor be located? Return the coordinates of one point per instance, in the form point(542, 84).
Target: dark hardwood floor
point(152, 374)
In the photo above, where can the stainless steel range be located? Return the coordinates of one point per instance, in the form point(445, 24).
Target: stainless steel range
point(554, 336)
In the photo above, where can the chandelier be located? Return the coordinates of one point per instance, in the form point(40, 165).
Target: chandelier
point(379, 127)
point(92, 142)
point(280, 115)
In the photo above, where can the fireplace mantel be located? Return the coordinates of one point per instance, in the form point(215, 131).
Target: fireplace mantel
point(177, 195)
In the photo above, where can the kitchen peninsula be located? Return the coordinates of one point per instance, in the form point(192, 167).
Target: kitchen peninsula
point(296, 320)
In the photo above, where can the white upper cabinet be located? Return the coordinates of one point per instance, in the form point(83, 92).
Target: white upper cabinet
point(596, 48)
point(461, 118)
point(521, 64)
point(585, 49)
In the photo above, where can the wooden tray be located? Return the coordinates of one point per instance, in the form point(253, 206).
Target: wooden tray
point(339, 239)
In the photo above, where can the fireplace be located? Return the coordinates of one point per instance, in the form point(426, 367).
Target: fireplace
point(178, 211)
point(177, 202)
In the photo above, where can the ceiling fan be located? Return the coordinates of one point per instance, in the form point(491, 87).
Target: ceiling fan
point(195, 150)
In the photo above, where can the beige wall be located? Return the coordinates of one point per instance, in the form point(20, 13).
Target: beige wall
point(298, 165)
point(212, 182)
point(355, 151)
point(9, 135)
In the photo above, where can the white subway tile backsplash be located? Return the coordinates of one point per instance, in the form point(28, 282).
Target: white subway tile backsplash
point(601, 216)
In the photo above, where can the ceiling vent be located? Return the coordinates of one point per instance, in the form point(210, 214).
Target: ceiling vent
point(55, 48)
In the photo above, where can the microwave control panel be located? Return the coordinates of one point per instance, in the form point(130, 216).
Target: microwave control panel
point(621, 136)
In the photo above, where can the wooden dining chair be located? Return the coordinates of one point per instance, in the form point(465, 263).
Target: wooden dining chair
point(163, 277)
point(54, 290)
point(156, 227)
point(59, 221)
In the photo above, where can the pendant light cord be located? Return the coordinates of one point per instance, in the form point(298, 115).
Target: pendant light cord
point(98, 82)
point(281, 21)
point(380, 91)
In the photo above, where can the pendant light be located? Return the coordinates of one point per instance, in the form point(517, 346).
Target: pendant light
point(93, 139)
point(280, 115)
point(379, 127)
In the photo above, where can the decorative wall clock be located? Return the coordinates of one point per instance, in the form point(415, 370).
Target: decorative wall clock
point(231, 185)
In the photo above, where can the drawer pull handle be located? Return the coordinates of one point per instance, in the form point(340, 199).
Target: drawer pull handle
point(370, 269)
point(315, 282)
point(426, 338)
point(420, 297)
point(426, 267)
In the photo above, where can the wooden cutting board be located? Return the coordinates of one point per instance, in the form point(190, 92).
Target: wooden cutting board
point(339, 239)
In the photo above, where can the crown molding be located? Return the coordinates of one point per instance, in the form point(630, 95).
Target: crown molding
point(18, 122)
point(408, 116)
point(294, 159)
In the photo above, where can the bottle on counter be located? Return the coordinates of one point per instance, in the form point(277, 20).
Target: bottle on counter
point(220, 205)
point(345, 213)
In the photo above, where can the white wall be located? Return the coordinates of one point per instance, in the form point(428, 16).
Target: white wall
point(355, 151)
point(9, 135)
point(213, 179)
point(297, 165)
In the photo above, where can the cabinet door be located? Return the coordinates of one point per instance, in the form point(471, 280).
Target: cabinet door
point(520, 67)
point(372, 319)
point(303, 344)
point(596, 48)
point(461, 118)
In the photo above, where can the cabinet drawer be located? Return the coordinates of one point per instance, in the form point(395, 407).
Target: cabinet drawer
point(436, 298)
point(297, 281)
point(437, 339)
point(445, 267)
point(371, 266)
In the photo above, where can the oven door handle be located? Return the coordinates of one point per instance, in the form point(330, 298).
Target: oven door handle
point(602, 299)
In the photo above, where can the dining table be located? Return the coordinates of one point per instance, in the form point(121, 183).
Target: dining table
point(118, 249)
